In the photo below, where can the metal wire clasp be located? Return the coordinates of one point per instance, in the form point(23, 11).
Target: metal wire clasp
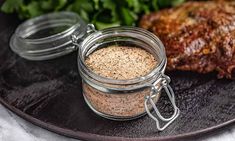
point(156, 88)
point(78, 36)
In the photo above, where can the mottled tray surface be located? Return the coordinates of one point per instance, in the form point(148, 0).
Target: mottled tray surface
point(49, 94)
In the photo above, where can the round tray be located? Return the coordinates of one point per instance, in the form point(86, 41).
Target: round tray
point(49, 94)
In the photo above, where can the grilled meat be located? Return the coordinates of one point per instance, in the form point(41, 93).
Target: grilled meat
point(198, 36)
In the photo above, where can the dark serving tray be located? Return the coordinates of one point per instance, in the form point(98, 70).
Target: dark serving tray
point(49, 94)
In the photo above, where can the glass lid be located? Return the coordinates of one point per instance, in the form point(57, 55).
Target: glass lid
point(47, 36)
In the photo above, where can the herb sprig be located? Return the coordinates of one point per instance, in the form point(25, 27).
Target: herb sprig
point(102, 13)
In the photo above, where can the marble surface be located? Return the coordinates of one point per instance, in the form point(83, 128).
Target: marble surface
point(13, 128)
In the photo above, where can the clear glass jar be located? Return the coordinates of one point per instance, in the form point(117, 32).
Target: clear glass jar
point(125, 99)
point(56, 34)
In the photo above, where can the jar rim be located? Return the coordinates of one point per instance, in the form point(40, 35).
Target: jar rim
point(116, 30)
point(44, 19)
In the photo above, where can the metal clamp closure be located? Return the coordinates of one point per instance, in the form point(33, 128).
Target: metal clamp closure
point(156, 88)
point(79, 35)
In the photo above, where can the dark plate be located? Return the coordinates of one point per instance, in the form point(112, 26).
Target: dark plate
point(49, 94)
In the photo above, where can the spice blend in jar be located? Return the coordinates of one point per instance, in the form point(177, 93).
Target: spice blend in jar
point(122, 70)
point(120, 63)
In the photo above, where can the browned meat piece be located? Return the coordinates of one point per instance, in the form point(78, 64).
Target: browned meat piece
point(198, 36)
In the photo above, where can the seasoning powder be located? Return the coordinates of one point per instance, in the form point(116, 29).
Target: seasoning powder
point(119, 63)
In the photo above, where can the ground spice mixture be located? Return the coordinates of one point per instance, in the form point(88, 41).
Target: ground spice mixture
point(120, 63)
point(117, 62)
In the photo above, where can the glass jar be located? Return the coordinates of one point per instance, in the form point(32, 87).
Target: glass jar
point(56, 34)
point(125, 99)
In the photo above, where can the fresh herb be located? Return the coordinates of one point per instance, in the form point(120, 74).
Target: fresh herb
point(102, 13)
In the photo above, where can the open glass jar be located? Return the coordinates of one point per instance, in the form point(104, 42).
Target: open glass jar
point(53, 35)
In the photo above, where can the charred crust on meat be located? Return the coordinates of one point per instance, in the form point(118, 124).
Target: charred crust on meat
point(198, 36)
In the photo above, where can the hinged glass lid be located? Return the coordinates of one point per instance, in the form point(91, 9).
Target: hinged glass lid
point(47, 36)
